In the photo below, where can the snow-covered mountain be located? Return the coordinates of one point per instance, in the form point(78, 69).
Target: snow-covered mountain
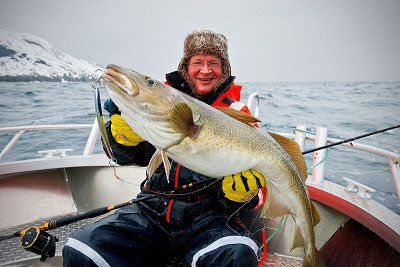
point(25, 57)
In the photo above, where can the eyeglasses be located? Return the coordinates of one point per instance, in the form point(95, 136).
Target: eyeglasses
point(200, 64)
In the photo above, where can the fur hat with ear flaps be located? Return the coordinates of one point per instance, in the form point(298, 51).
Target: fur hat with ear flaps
point(205, 42)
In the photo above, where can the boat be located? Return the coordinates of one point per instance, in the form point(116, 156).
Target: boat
point(355, 230)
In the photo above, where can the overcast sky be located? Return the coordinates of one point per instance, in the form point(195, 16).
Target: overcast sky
point(299, 40)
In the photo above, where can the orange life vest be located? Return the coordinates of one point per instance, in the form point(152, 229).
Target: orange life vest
point(231, 99)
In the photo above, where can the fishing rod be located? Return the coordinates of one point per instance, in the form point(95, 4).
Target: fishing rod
point(36, 239)
point(56, 223)
point(350, 139)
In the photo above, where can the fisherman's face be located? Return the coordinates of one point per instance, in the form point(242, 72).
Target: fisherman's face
point(205, 71)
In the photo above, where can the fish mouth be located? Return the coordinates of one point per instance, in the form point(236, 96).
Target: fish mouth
point(118, 78)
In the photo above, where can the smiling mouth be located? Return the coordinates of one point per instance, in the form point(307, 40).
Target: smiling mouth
point(122, 82)
point(205, 79)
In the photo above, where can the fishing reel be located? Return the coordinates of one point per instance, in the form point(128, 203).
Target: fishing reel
point(39, 242)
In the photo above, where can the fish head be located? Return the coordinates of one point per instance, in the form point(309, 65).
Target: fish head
point(145, 104)
point(131, 88)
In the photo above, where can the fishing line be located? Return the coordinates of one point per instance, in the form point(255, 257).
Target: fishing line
point(275, 230)
point(119, 178)
point(350, 139)
point(255, 219)
point(356, 173)
point(234, 213)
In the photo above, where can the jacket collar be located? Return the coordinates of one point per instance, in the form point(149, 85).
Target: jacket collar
point(176, 80)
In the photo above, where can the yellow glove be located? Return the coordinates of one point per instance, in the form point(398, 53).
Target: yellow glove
point(122, 132)
point(242, 186)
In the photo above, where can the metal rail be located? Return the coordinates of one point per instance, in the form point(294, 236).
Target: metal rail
point(22, 129)
point(254, 97)
point(321, 139)
point(300, 137)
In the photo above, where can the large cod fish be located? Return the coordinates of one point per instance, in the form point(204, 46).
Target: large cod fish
point(218, 142)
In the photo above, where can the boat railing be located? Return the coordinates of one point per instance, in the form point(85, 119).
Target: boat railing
point(320, 139)
point(254, 97)
point(300, 136)
point(22, 129)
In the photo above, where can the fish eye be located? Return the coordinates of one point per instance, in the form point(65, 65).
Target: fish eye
point(150, 81)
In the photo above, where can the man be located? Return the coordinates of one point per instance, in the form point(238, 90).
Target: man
point(198, 229)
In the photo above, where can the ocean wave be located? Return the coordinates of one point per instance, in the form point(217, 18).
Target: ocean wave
point(29, 93)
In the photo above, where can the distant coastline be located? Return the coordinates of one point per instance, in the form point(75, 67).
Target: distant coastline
point(30, 78)
point(29, 58)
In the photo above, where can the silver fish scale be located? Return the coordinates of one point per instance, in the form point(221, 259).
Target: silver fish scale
point(12, 252)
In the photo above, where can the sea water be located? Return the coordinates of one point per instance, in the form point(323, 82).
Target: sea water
point(347, 109)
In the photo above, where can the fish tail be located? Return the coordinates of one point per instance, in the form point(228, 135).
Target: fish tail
point(313, 260)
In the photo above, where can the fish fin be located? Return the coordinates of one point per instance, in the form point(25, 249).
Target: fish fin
point(293, 149)
point(273, 207)
point(154, 162)
point(309, 262)
point(319, 259)
point(238, 115)
point(315, 214)
point(181, 118)
point(298, 239)
point(167, 164)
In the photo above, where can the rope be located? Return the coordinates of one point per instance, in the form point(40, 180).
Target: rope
point(302, 131)
point(276, 230)
point(358, 173)
point(319, 162)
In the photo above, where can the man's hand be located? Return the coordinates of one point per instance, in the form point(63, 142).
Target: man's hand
point(120, 130)
point(242, 186)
